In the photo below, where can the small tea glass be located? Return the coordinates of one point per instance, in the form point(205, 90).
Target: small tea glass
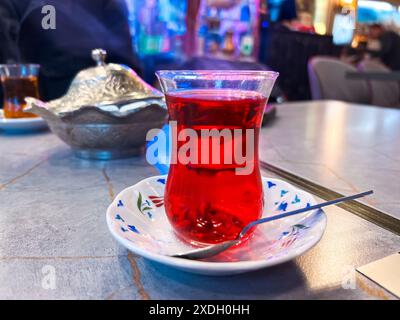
point(19, 81)
point(214, 184)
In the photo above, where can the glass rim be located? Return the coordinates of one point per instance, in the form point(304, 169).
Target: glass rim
point(241, 74)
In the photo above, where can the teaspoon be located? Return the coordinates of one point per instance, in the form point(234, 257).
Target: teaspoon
point(213, 250)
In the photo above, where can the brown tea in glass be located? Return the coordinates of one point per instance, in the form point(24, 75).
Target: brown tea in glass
point(19, 81)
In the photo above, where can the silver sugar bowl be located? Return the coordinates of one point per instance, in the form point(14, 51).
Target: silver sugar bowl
point(106, 113)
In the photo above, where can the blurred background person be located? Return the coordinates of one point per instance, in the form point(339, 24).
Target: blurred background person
point(62, 52)
point(388, 48)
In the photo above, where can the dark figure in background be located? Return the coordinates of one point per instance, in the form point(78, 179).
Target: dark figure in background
point(281, 13)
point(62, 52)
point(389, 52)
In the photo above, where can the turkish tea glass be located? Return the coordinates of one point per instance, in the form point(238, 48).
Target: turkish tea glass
point(19, 81)
point(214, 184)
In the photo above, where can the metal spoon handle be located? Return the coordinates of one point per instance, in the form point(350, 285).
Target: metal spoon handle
point(213, 250)
point(302, 210)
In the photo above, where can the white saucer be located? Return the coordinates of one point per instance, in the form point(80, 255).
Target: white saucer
point(21, 124)
point(137, 220)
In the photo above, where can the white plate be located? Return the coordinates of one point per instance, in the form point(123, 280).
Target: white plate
point(21, 124)
point(137, 220)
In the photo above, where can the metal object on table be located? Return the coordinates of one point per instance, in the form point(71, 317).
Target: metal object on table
point(213, 250)
point(106, 112)
point(377, 76)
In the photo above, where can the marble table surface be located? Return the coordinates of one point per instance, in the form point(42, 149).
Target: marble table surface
point(345, 147)
point(52, 224)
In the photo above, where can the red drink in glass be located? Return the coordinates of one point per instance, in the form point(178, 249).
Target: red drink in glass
point(210, 202)
point(213, 196)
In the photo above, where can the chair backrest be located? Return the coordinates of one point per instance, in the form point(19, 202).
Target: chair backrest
point(384, 93)
point(328, 81)
point(288, 52)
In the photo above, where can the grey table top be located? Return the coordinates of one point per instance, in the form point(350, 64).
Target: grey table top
point(52, 221)
point(344, 147)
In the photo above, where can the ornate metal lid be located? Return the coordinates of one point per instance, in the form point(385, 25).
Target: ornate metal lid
point(104, 85)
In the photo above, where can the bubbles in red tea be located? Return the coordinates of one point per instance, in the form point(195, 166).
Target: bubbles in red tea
point(208, 202)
